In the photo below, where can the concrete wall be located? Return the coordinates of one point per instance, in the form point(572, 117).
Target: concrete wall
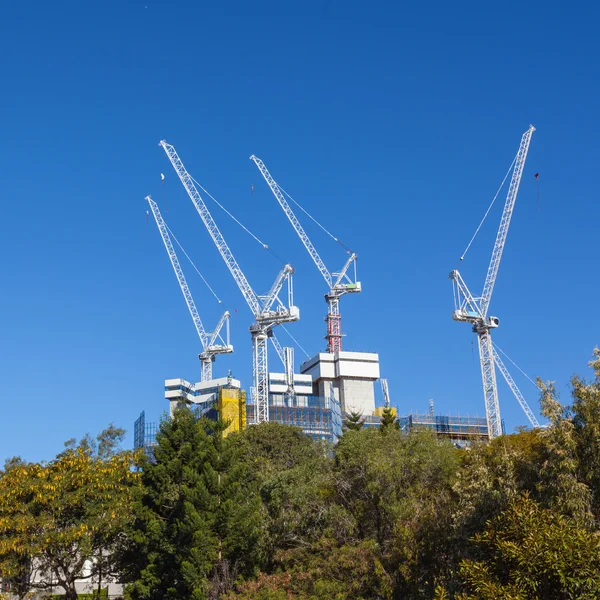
point(352, 374)
point(357, 395)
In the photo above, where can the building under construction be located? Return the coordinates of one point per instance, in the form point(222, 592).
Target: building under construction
point(144, 435)
point(216, 398)
point(335, 382)
point(461, 430)
point(319, 417)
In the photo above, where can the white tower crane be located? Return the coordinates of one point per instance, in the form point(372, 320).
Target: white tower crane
point(474, 310)
point(209, 341)
point(339, 283)
point(268, 310)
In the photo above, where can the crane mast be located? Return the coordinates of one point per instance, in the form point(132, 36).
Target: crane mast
point(339, 283)
point(208, 340)
point(474, 310)
point(268, 310)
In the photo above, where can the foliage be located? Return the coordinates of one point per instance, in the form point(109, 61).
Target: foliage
point(531, 552)
point(268, 514)
point(64, 514)
point(392, 487)
point(353, 421)
point(388, 420)
point(196, 527)
point(327, 572)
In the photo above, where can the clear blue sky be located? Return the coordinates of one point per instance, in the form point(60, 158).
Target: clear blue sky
point(393, 123)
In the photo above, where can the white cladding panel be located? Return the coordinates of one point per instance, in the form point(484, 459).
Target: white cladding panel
point(320, 366)
point(302, 384)
point(358, 368)
point(364, 365)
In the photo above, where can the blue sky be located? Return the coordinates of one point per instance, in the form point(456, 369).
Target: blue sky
point(393, 124)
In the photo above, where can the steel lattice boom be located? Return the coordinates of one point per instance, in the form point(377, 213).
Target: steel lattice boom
point(208, 340)
point(268, 310)
point(474, 310)
point(339, 283)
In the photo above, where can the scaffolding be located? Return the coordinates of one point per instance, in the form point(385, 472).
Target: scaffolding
point(318, 417)
point(460, 430)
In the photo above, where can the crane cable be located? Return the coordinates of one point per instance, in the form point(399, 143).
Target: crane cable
point(192, 263)
point(315, 221)
point(265, 246)
point(487, 212)
point(514, 363)
point(295, 341)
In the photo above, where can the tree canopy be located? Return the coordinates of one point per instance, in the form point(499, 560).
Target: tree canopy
point(270, 514)
point(59, 517)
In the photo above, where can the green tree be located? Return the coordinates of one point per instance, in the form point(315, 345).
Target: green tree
point(391, 488)
point(292, 473)
point(198, 526)
point(353, 421)
point(65, 514)
point(533, 553)
point(585, 411)
point(388, 420)
point(560, 482)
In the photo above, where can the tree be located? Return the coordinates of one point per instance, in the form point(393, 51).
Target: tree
point(353, 421)
point(391, 489)
point(328, 572)
point(388, 420)
point(66, 515)
point(560, 481)
point(586, 429)
point(269, 448)
point(531, 552)
point(197, 528)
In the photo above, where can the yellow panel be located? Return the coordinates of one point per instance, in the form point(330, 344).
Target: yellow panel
point(378, 412)
point(232, 407)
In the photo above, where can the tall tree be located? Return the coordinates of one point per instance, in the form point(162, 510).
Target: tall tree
point(560, 484)
point(196, 527)
point(66, 515)
point(586, 423)
point(388, 420)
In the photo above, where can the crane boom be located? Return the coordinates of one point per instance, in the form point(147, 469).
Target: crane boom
point(509, 205)
point(266, 315)
point(189, 300)
point(287, 209)
point(339, 283)
point(213, 230)
point(208, 340)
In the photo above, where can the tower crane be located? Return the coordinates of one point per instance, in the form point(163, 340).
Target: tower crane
point(209, 341)
point(474, 310)
point(339, 283)
point(268, 310)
